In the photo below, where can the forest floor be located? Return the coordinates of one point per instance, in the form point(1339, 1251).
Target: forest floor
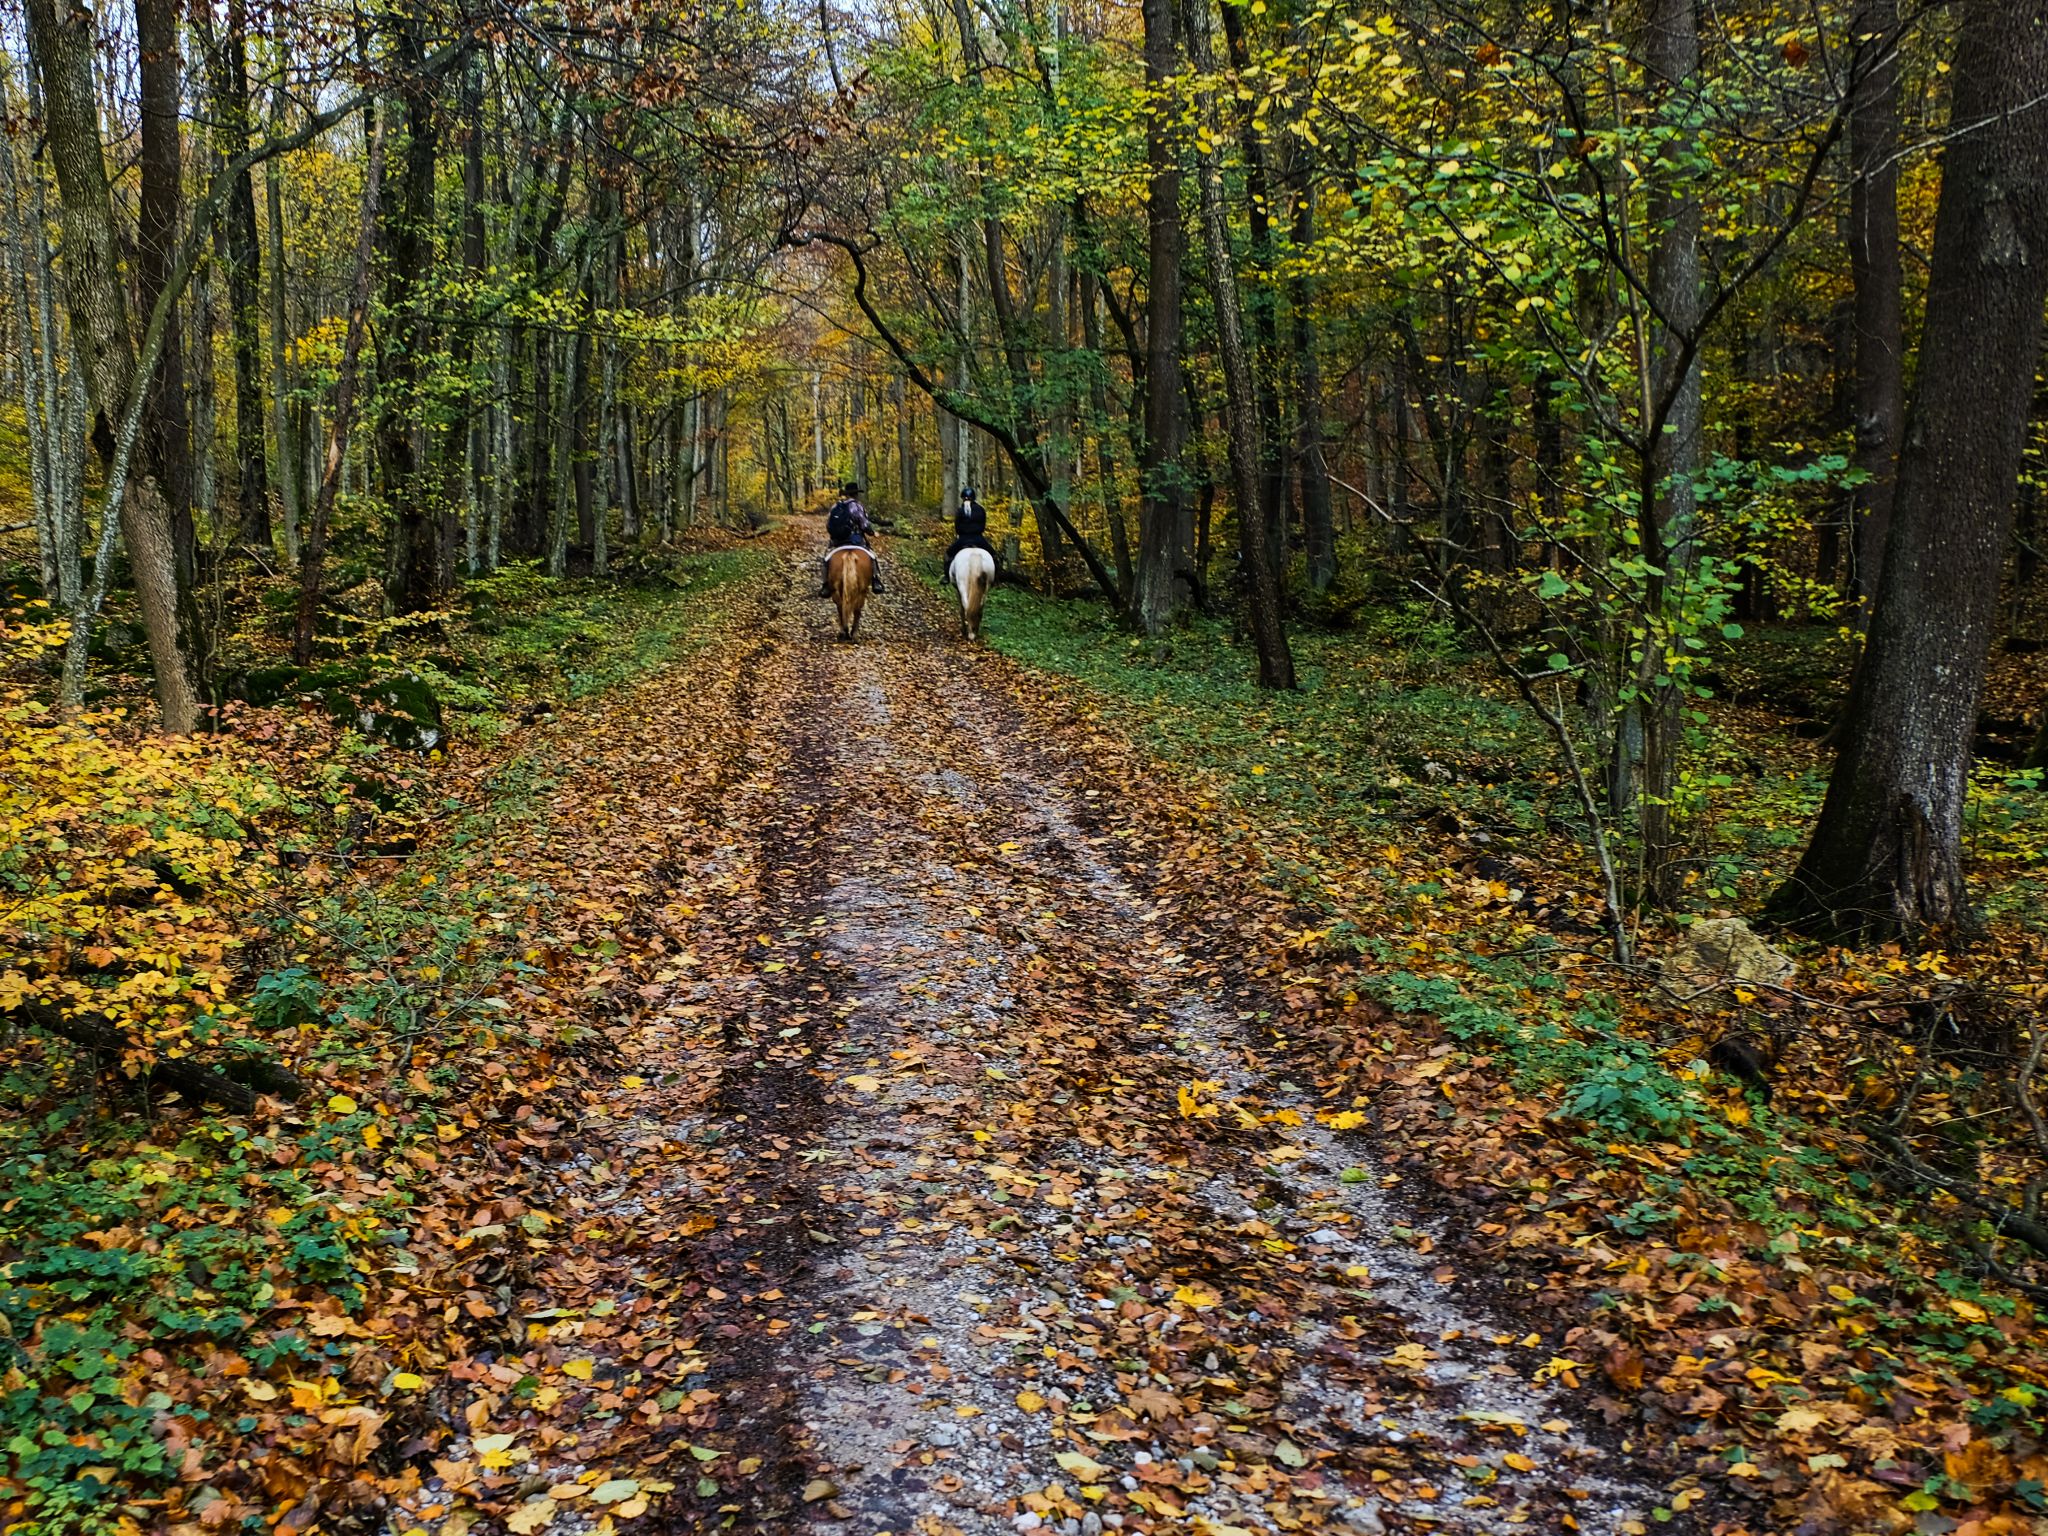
point(912, 1087)
point(911, 1208)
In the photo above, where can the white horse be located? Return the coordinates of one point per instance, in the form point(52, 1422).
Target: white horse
point(972, 573)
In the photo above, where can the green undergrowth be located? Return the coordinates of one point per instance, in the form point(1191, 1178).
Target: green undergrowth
point(532, 640)
point(1387, 729)
point(137, 1245)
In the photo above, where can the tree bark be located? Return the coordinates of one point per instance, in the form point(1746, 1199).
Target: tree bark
point(241, 251)
point(61, 42)
point(290, 461)
point(1886, 855)
point(1241, 433)
point(1261, 305)
point(474, 448)
point(1878, 282)
point(407, 239)
point(166, 426)
point(1672, 54)
point(1156, 594)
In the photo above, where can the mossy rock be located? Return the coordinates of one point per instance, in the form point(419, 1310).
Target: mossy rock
point(402, 709)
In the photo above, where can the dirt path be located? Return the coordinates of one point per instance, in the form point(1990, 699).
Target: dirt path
point(943, 1191)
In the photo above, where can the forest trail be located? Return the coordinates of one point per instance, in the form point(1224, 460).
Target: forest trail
point(921, 1206)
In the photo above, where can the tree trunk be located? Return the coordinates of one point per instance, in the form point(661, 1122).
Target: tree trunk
point(1319, 524)
point(61, 42)
point(166, 428)
point(1105, 457)
point(1886, 856)
point(313, 550)
point(1877, 279)
point(241, 252)
point(1261, 305)
point(474, 446)
point(1240, 403)
point(290, 484)
point(906, 446)
point(1156, 593)
point(1672, 54)
point(407, 240)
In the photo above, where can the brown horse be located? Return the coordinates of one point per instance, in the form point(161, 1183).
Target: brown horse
point(848, 574)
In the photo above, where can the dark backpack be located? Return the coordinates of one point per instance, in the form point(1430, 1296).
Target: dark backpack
point(839, 523)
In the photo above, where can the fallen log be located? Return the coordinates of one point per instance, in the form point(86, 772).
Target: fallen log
point(97, 1033)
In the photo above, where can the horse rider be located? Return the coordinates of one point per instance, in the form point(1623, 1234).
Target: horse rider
point(970, 528)
point(847, 526)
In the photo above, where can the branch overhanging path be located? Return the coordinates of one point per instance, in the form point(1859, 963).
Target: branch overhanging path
point(926, 1197)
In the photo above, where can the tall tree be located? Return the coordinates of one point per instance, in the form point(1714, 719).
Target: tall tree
point(1886, 855)
point(166, 429)
point(1673, 409)
point(241, 254)
point(1241, 407)
point(407, 238)
point(291, 480)
point(1876, 278)
point(61, 42)
point(1162, 507)
point(313, 548)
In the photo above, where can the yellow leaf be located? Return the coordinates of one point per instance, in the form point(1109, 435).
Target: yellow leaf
point(532, 1516)
point(580, 1369)
point(861, 1082)
point(1519, 1462)
point(1030, 1401)
point(405, 1381)
point(1197, 1297)
point(342, 1104)
point(1082, 1465)
point(1969, 1311)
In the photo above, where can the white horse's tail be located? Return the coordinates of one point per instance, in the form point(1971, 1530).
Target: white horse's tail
point(973, 572)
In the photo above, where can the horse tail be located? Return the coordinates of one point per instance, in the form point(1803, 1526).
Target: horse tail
point(974, 571)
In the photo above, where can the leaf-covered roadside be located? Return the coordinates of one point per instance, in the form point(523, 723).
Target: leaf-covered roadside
point(208, 1317)
point(1758, 1289)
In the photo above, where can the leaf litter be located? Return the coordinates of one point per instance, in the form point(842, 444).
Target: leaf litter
point(934, 1181)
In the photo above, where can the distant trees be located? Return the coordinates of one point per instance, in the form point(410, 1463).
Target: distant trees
point(1586, 326)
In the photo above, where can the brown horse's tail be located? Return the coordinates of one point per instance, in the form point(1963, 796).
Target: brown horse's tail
point(850, 574)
